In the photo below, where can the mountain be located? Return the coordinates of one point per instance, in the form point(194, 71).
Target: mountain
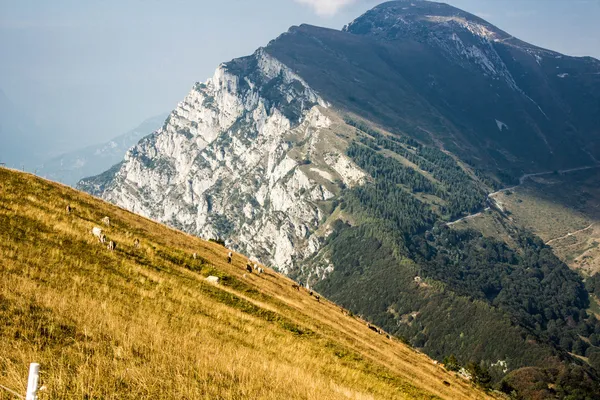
point(265, 186)
point(340, 157)
point(445, 76)
point(144, 322)
point(71, 167)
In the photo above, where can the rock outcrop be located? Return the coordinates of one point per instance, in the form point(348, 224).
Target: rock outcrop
point(249, 156)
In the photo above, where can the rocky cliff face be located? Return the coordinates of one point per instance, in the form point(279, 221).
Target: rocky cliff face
point(250, 156)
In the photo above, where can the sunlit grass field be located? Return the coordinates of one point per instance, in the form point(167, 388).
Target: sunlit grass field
point(143, 323)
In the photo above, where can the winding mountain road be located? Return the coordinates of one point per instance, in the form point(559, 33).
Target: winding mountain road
point(571, 234)
point(522, 180)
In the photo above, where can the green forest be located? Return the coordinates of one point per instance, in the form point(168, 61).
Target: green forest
point(494, 309)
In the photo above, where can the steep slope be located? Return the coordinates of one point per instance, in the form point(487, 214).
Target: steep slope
point(250, 156)
point(71, 167)
point(143, 322)
point(340, 156)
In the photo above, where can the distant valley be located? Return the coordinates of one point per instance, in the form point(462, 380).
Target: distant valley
point(71, 167)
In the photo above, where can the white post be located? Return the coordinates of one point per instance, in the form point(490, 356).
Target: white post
point(32, 383)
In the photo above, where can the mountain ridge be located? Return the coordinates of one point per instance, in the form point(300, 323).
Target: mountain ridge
point(440, 93)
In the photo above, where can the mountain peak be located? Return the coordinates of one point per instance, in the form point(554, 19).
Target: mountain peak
point(420, 19)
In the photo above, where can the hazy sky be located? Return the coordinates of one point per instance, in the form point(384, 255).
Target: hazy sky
point(90, 70)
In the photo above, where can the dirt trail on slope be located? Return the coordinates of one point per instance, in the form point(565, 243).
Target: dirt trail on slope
point(570, 234)
point(522, 180)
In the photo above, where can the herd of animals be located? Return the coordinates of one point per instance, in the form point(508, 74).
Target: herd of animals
point(111, 245)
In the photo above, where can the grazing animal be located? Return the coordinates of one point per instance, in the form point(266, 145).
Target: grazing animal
point(311, 292)
point(195, 256)
point(446, 383)
point(97, 232)
point(106, 221)
point(294, 286)
point(249, 268)
point(373, 328)
point(68, 209)
point(103, 238)
point(136, 243)
point(318, 298)
point(213, 279)
point(255, 267)
point(229, 257)
point(260, 270)
point(111, 246)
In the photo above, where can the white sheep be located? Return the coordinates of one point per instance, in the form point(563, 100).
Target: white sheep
point(97, 232)
point(213, 279)
point(106, 221)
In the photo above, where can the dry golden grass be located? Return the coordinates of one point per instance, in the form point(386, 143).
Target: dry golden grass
point(144, 323)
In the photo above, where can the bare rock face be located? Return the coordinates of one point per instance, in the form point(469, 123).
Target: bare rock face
point(249, 156)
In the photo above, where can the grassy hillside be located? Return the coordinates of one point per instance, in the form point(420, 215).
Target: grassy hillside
point(144, 323)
